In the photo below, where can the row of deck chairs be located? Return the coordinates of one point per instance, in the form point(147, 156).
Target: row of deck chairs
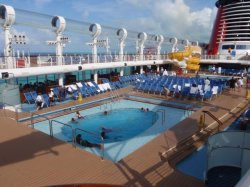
point(182, 86)
point(89, 88)
point(30, 98)
point(133, 78)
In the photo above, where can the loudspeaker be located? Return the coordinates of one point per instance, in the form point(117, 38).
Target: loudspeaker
point(79, 68)
point(154, 62)
point(125, 64)
point(5, 75)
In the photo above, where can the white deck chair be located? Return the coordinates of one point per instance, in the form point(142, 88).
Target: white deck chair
point(215, 90)
point(193, 91)
point(79, 84)
point(207, 88)
point(107, 85)
point(73, 87)
point(101, 88)
point(92, 85)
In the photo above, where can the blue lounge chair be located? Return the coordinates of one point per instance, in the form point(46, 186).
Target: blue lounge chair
point(46, 100)
point(75, 95)
point(56, 92)
point(33, 95)
point(207, 95)
point(28, 98)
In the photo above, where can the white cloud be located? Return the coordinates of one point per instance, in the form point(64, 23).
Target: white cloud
point(168, 17)
point(175, 18)
point(39, 3)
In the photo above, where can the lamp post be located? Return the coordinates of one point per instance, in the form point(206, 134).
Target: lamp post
point(6, 22)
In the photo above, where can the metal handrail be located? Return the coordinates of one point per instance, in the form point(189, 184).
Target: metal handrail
point(34, 113)
point(98, 136)
point(163, 114)
point(51, 129)
point(215, 118)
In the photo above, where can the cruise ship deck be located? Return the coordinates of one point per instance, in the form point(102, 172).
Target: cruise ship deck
point(31, 158)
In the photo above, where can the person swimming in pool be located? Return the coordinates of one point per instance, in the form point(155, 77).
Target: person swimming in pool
point(86, 143)
point(104, 131)
point(78, 115)
point(73, 120)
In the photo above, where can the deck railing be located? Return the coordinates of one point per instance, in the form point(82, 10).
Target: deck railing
point(213, 117)
point(51, 60)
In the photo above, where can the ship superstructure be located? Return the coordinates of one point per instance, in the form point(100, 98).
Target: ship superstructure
point(231, 32)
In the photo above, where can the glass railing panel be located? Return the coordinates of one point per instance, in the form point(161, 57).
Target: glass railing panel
point(245, 162)
point(233, 139)
point(246, 143)
point(226, 156)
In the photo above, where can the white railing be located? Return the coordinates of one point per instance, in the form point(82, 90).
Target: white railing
point(49, 60)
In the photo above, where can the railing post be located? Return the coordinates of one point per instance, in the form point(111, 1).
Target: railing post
point(73, 137)
point(16, 114)
point(204, 119)
point(51, 128)
point(102, 148)
point(32, 122)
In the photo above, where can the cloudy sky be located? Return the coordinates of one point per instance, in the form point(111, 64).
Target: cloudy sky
point(185, 19)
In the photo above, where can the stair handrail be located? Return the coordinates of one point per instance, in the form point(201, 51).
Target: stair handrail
point(214, 117)
point(51, 128)
point(40, 115)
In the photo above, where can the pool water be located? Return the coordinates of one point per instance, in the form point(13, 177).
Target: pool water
point(131, 128)
point(132, 121)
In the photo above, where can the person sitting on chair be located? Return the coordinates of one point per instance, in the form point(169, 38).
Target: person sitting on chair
point(39, 101)
point(86, 143)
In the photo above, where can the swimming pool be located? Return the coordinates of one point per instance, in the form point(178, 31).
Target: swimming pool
point(137, 128)
point(132, 121)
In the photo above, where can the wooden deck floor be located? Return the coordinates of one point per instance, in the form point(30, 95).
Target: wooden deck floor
point(31, 158)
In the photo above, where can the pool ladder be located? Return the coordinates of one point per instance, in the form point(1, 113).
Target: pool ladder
point(163, 114)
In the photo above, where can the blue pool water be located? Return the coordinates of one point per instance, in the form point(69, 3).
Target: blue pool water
point(131, 128)
point(132, 121)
